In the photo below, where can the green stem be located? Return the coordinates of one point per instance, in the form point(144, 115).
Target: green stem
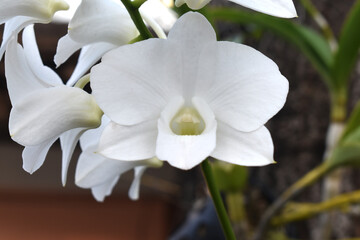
point(291, 192)
point(133, 9)
point(219, 205)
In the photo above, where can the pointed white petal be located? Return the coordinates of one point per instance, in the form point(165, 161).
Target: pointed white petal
point(19, 77)
point(277, 8)
point(248, 149)
point(185, 151)
point(46, 113)
point(34, 156)
point(93, 169)
point(12, 27)
point(89, 55)
point(192, 32)
point(129, 143)
point(150, 72)
point(193, 4)
point(113, 25)
point(65, 48)
point(242, 86)
point(42, 9)
point(68, 141)
point(43, 73)
point(101, 191)
point(135, 186)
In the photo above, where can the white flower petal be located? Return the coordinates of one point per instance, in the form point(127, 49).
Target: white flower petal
point(192, 32)
point(46, 113)
point(46, 74)
point(42, 9)
point(19, 76)
point(277, 8)
point(248, 149)
point(89, 55)
point(135, 186)
point(91, 138)
point(156, 9)
point(113, 25)
point(242, 86)
point(101, 191)
point(65, 48)
point(34, 156)
point(193, 4)
point(185, 151)
point(12, 27)
point(129, 143)
point(68, 141)
point(133, 83)
point(93, 169)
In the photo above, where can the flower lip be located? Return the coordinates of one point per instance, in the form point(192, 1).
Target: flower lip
point(187, 122)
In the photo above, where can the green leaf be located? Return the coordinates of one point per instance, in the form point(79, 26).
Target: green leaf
point(346, 155)
point(230, 177)
point(313, 45)
point(352, 129)
point(349, 44)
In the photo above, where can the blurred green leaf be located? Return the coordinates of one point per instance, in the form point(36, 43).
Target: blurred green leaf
point(313, 45)
point(348, 50)
point(352, 129)
point(230, 177)
point(346, 154)
point(347, 151)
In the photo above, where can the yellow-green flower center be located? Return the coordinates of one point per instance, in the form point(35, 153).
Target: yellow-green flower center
point(187, 122)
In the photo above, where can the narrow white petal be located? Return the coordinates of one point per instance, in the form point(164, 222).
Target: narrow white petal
point(101, 191)
point(153, 24)
point(129, 143)
point(12, 27)
point(68, 141)
point(89, 55)
point(42, 9)
point(93, 169)
point(242, 86)
point(113, 25)
point(34, 156)
point(20, 78)
point(135, 186)
point(65, 48)
point(133, 83)
point(248, 149)
point(277, 8)
point(43, 73)
point(185, 151)
point(46, 113)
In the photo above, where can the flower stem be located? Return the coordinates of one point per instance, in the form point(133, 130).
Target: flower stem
point(219, 205)
point(133, 10)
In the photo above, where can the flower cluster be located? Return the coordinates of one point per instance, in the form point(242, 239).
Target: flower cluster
point(180, 99)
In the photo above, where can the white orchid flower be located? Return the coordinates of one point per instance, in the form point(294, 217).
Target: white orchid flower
point(101, 174)
point(17, 14)
point(277, 8)
point(95, 34)
point(43, 107)
point(188, 97)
